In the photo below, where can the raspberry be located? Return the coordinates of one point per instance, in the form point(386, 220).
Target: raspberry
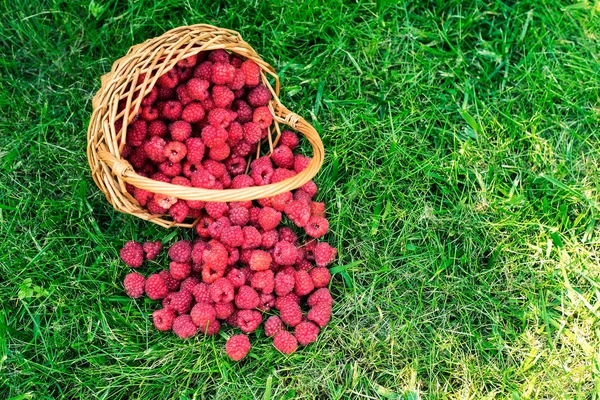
point(208, 104)
point(178, 301)
point(175, 151)
point(252, 72)
point(154, 149)
point(170, 169)
point(243, 110)
point(239, 216)
point(289, 139)
point(303, 265)
point(156, 287)
point(161, 177)
point(194, 213)
point(262, 117)
point(290, 314)
point(242, 181)
point(164, 201)
point(197, 89)
point(259, 96)
point(242, 149)
point(182, 181)
point(202, 226)
point(132, 254)
point(232, 236)
point(324, 254)
point(232, 319)
point(237, 347)
point(263, 281)
point(221, 291)
point(219, 55)
point(304, 284)
point(284, 283)
point(317, 209)
point(181, 251)
point(203, 179)
point(163, 319)
point(184, 327)
point(254, 211)
point(235, 135)
point(134, 285)
point(262, 171)
point(285, 342)
point(150, 98)
point(236, 61)
point(126, 152)
point(222, 73)
point(203, 71)
point(260, 260)
point(154, 208)
point(320, 276)
point(301, 195)
point(203, 315)
point(249, 320)
point(217, 227)
point(252, 237)
point(219, 153)
point(188, 62)
point(246, 298)
point(301, 162)
point(320, 314)
point(210, 275)
point(285, 253)
point(183, 96)
point(224, 310)
point(269, 239)
point(195, 150)
point(222, 96)
point(215, 256)
point(267, 301)
point(157, 128)
point(273, 325)
point(184, 73)
point(216, 209)
point(226, 179)
point(306, 333)
point(309, 187)
point(269, 218)
point(219, 117)
point(283, 157)
point(298, 212)
point(316, 227)
point(168, 80)
point(179, 211)
point(278, 202)
point(214, 137)
point(151, 249)
point(252, 132)
point(286, 301)
point(281, 174)
point(165, 93)
point(193, 112)
point(172, 283)
point(136, 132)
point(149, 113)
point(171, 109)
point(238, 81)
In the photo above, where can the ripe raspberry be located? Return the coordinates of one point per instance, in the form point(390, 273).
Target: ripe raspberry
point(278, 202)
point(320, 314)
point(243, 110)
point(281, 174)
point(262, 117)
point(171, 109)
point(267, 301)
point(269, 239)
point(309, 187)
point(214, 137)
point(215, 256)
point(232, 236)
point(283, 157)
point(221, 291)
point(168, 80)
point(188, 62)
point(178, 301)
point(239, 216)
point(210, 275)
point(172, 283)
point(262, 171)
point(303, 265)
point(170, 169)
point(285, 253)
point(252, 237)
point(317, 209)
point(254, 211)
point(268, 218)
point(161, 177)
point(154, 208)
point(194, 213)
point(284, 283)
point(203, 179)
point(203, 224)
point(156, 287)
point(208, 104)
point(132, 254)
point(301, 195)
point(184, 327)
point(320, 277)
point(203, 315)
point(151, 249)
point(180, 270)
point(306, 333)
point(263, 281)
point(224, 310)
point(289, 139)
point(195, 150)
point(175, 151)
point(252, 72)
point(304, 284)
point(290, 314)
point(232, 319)
point(252, 132)
point(181, 251)
point(220, 117)
point(222, 73)
point(287, 300)
point(184, 73)
point(242, 181)
point(163, 319)
point(298, 212)
point(324, 254)
point(155, 148)
point(217, 227)
point(242, 148)
point(219, 55)
point(134, 285)
point(219, 153)
point(165, 93)
point(259, 96)
point(248, 320)
point(285, 342)
point(222, 96)
point(149, 113)
point(216, 209)
point(238, 81)
point(246, 298)
point(136, 132)
point(237, 347)
point(183, 96)
point(197, 89)
point(203, 71)
point(164, 201)
point(260, 260)
point(301, 162)
point(235, 135)
point(157, 128)
point(273, 325)
point(316, 227)
point(193, 112)
point(150, 98)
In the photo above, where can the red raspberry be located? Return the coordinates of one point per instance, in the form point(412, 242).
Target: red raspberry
point(208, 104)
point(203, 71)
point(278, 202)
point(184, 327)
point(252, 132)
point(232, 236)
point(236, 165)
point(236, 277)
point(213, 328)
point(164, 201)
point(267, 301)
point(236, 61)
point(156, 287)
point(179, 211)
point(298, 212)
point(134, 285)
point(281, 174)
point(262, 171)
point(178, 301)
point(316, 227)
point(269, 218)
point(163, 319)
point(221, 291)
point(285, 342)
point(197, 89)
point(252, 237)
point(184, 73)
point(154, 208)
point(301, 162)
point(203, 179)
point(259, 96)
point(269, 239)
point(194, 213)
point(175, 151)
point(219, 153)
point(168, 80)
point(303, 265)
point(214, 137)
point(285, 253)
point(235, 135)
point(262, 117)
point(217, 227)
point(243, 110)
point(216, 209)
point(289, 139)
point(181, 251)
point(252, 72)
point(132, 254)
point(193, 112)
point(222, 96)
point(290, 314)
point(301, 195)
point(224, 310)
point(198, 251)
point(219, 55)
point(151, 249)
point(285, 301)
point(165, 93)
point(254, 211)
point(183, 96)
point(215, 256)
point(203, 315)
point(136, 132)
point(242, 181)
point(126, 152)
point(260, 260)
point(155, 148)
point(309, 187)
point(273, 325)
point(157, 128)
point(317, 209)
point(150, 98)
point(306, 333)
point(219, 117)
point(263, 281)
point(171, 109)
point(201, 293)
point(180, 270)
point(222, 73)
point(248, 320)
point(242, 149)
point(232, 319)
point(283, 157)
point(284, 283)
point(238, 81)
point(320, 314)
point(210, 275)
point(172, 283)
point(324, 254)
point(237, 347)
point(246, 298)
point(188, 62)
point(170, 169)
point(195, 150)
point(161, 177)
point(320, 276)
point(304, 284)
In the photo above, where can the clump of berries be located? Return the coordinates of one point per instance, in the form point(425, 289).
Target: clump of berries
point(200, 127)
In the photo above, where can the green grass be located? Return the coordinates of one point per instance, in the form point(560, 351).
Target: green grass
point(461, 179)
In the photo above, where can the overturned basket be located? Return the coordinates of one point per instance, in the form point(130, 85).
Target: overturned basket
point(153, 58)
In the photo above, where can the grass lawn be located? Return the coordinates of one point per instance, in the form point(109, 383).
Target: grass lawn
point(461, 179)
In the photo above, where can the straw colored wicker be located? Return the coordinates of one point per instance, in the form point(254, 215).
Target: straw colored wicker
point(153, 58)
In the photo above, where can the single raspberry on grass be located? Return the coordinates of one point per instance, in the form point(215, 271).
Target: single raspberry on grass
point(132, 254)
point(197, 89)
point(320, 276)
point(316, 227)
point(252, 72)
point(175, 151)
point(172, 283)
point(269, 218)
point(306, 333)
point(184, 327)
point(178, 301)
point(237, 347)
point(273, 325)
point(193, 112)
point(284, 283)
point(260, 260)
point(285, 342)
point(181, 251)
point(203, 315)
point(246, 298)
point(324, 254)
point(259, 96)
point(156, 287)
point(320, 314)
point(180, 270)
point(249, 320)
point(222, 73)
point(134, 285)
point(151, 249)
point(163, 319)
point(289, 139)
point(262, 117)
point(221, 291)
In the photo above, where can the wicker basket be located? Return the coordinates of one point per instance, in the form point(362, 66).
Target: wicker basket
point(153, 58)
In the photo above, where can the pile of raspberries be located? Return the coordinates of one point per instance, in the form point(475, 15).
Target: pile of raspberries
point(200, 126)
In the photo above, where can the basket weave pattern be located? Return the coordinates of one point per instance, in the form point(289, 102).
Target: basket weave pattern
point(153, 58)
